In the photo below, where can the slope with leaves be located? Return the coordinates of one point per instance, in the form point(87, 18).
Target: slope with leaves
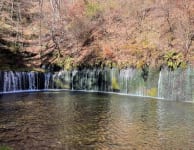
point(97, 33)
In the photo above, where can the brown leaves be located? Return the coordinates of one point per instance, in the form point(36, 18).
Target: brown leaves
point(76, 10)
point(107, 52)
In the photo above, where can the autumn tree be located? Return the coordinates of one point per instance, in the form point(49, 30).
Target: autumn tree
point(185, 24)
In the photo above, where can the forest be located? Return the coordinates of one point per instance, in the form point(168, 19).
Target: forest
point(88, 33)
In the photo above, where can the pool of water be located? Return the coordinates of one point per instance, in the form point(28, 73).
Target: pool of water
point(77, 120)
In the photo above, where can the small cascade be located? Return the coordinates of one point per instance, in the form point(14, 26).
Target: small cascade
point(62, 80)
point(48, 83)
point(12, 81)
point(131, 82)
point(160, 87)
point(175, 85)
point(32, 78)
point(125, 76)
point(17, 81)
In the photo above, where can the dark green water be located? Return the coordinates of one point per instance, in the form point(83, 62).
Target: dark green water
point(74, 120)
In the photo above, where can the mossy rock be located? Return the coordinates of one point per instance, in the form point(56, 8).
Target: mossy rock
point(152, 92)
point(115, 85)
point(59, 83)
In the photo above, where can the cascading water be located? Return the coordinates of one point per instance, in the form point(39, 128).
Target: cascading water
point(17, 81)
point(48, 81)
point(128, 81)
point(176, 85)
point(172, 85)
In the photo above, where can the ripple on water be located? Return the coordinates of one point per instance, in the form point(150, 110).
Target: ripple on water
point(69, 120)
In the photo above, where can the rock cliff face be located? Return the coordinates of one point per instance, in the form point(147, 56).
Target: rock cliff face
point(96, 33)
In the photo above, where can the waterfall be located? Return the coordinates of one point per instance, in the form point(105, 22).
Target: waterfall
point(176, 85)
point(48, 81)
point(160, 87)
point(18, 81)
point(165, 84)
point(127, 81)
point(32, 81)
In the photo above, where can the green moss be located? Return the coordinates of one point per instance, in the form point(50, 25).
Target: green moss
point(115, 85)
point(174, 60)
point(108, 64)
point(152, 92)
point(93, 8)
point(5, 148)
point(15, 47)
point(60, 84)
point(66, 63)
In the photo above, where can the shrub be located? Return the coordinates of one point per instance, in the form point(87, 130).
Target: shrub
point(66, 63)
point(174, 60)
point(93, 9)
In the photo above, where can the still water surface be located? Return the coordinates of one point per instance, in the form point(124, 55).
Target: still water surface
point(75, 120)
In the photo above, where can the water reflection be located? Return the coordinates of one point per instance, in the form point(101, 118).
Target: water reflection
point(73, 120)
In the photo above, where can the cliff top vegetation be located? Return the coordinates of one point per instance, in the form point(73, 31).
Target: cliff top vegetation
point(71, 33)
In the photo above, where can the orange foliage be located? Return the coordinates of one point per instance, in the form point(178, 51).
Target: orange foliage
point(77, 10)
point(107, 52)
